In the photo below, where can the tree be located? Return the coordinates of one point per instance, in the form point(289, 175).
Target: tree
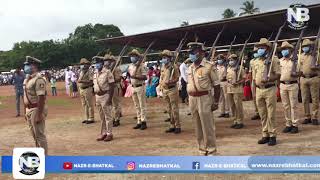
point(248, 8)
point(228, 13)
point(184, 23)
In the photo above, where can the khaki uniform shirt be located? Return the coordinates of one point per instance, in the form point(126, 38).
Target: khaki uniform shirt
point(203, 77)
point(34, 86)
point(133, 70)
point(252, 64)
point(286, 69)
point(166, 73)
point(85, 76)
point(117, 74)
point(102, 80)
point(259, 68)
point(231, 77)
point(220, 71)
point(305, 64)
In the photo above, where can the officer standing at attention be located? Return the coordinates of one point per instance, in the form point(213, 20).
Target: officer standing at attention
point(309, 84)
point(18, 79)
point(202, 77)
point(103, 84)
point(168, 80)
point(35, 102)
point(138, 75)
point(266, 92)
point(253, 86)
point(288, 89)
point(85, 84)
point(235, 91)
point(224, 104)
point(110, 63)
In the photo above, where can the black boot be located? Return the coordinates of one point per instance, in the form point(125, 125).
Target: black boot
point(138, 126)
point(226, 115)
point(233, 125)
point(264, 140)
point(294, 130)
point(143, 126)
point(116, 123)
point(315, 122)
point(238, 126)
point(170, 130)
point(167, 120)
point(256, 117)
point(272, 141)
point(221, 115)
point(306, 121)
point(177, 131)
point(287, 129)
point(85, 121)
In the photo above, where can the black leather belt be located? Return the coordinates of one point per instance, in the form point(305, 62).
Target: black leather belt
point(171, 87)
point(309, 76)
point(137, 85)
point(101, 93)
point(30, 106)
point(86, 87)
point(265, 86)
point(198, 93)
point(288, 82)
point(224, 80)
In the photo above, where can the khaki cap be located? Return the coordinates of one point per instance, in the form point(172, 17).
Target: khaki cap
point(221, 56)
point(307, 42)
point(32, 60)
point(97, 59)
point(232, 56)
point(84, 61)
point(166, 53)
point(193, 45)
point(108, 57)
point(135, 52)
point(286, 45)
point(263, 42)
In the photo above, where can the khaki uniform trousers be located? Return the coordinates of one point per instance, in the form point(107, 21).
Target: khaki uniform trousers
point(139, 100)
point(266, 102)
point(289, 98)
point(172, 98)
point(223, 100)
point(86, 96)
point(105, 113)
point(310, 86)
point(253, 90)
point(37, 129)
point(235, 101)
point(116, 107)
point(204, 123)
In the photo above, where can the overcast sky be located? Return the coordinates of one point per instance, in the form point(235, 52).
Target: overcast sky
point(24, 20)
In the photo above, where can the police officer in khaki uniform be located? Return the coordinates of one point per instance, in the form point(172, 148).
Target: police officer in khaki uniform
point(288, 89)
point(266, 92)
point(110, 63)
point(253, 86)
point(168, 80)
point(202, 77)
point(103, 81)
point(309, 84)
point(85, 84)
point(138, 74)
point(235, 91)
point(35, 102)
point(224, 104)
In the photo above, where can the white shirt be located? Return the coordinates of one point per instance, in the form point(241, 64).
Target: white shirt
point(184, 71)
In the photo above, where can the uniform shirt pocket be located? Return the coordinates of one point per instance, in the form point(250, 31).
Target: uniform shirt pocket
point(203, 82)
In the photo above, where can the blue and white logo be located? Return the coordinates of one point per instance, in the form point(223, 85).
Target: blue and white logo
point(298, 16)
point(195, 165)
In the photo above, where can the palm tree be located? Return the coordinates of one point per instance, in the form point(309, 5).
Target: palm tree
point(228, 13)
point(184, 23)
point(248, 8)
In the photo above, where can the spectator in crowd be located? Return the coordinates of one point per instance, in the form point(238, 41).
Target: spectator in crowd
point(74, 85)
point(151, 87)
point(18, 79)
point(53, 81)
point(183, 80)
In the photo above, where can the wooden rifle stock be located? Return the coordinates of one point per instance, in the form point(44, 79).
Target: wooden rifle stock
point(315, 52)
point(295, 54)
point(213, 47)
point(177, 53)
point(228, 54)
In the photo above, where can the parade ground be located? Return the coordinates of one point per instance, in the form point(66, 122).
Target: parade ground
point(68, 136)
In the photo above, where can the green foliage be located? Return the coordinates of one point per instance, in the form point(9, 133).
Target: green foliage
point(228, 13)
point(248, 8)
point(59, 54)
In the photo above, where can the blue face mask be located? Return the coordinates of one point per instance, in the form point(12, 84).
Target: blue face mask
point(255, 55)
point(232, 62)
point(164, 60)
point(133, 59)
point(27, 69)
point(193, 57)
point(306, 49)
point(98, 66)
point(81, 66)
point(285, 52)
point(261, 52)
point(220, 61)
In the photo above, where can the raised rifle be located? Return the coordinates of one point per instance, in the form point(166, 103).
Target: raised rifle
point(269, 38)
point(177, 53)
point(241, 58)
point(118, 62)
point(213, 47)
point(270, 56)
point(228, 54)
point(315, 52)
point(144, 56)
point(295, 54)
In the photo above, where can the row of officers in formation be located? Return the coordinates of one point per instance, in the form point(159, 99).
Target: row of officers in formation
point(207, 84)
